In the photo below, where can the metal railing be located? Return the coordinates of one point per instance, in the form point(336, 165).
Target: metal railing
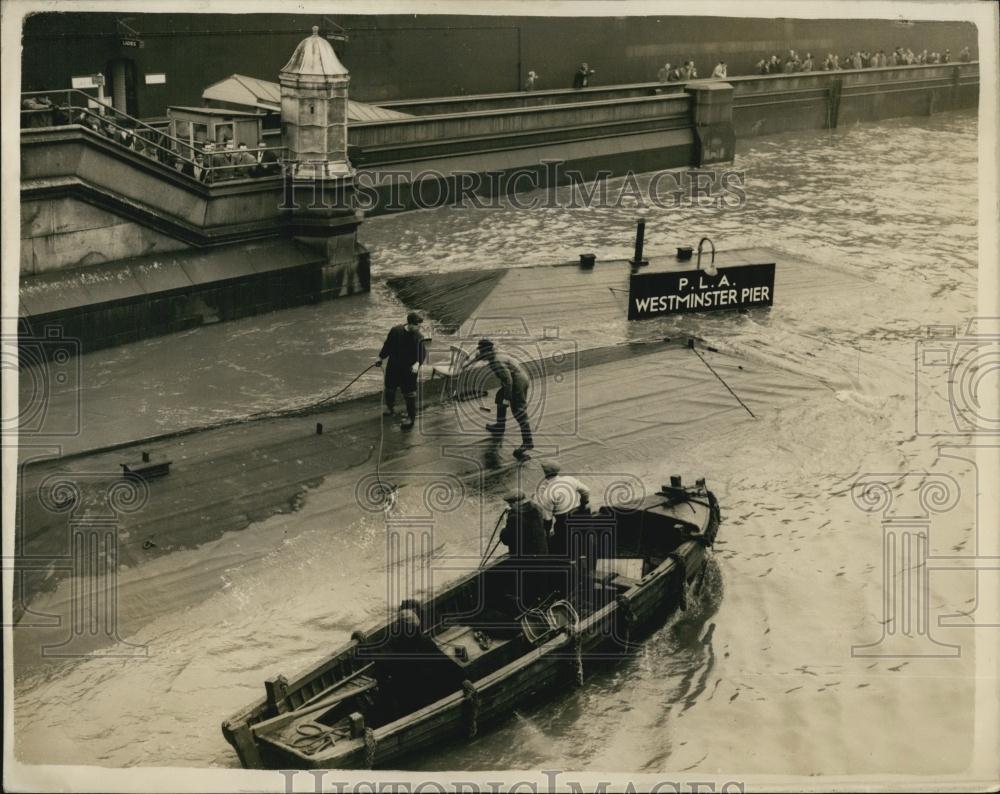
point(208, 163)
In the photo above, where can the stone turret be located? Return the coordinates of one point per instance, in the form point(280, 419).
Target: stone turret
point(314, 109)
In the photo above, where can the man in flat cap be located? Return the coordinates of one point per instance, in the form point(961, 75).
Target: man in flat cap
point(513, 392)
point(527, 541)
point(524, 533)
point(561, 497)
point(406, 349)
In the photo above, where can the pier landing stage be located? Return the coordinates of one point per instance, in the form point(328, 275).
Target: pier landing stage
point(570, 300)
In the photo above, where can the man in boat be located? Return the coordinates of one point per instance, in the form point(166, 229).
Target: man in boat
point(513, 393)
point(527, 540)
point(524, 533)
point(406, 349)
point(561, 497)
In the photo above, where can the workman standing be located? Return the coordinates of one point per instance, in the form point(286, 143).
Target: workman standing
point(527, 541)
point(406, 349)
point(524, 533)
point(513, 393)
point(561, 497)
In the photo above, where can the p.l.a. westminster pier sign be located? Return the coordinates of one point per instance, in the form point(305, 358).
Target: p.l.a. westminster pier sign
point(665, 288)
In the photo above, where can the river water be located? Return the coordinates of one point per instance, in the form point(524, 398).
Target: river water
point(760, 676)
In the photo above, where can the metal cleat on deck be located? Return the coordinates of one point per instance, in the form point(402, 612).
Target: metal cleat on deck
point(148, 468)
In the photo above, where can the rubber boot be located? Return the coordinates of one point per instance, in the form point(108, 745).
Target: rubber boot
point(500, 427)
point(526, 442)
point(411, 411)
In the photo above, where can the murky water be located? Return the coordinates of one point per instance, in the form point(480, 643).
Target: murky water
point(759, 677)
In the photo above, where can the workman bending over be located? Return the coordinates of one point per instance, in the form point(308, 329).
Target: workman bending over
point(406, 349)
point(561, 497)
point(513, 393)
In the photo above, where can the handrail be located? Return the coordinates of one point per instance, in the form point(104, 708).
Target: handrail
point(647, 85)
point(202, 163)
point(711, 269)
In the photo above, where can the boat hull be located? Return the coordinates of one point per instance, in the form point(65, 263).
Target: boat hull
point(557, 662)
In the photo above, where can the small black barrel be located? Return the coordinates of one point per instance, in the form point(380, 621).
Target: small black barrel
point(684, 252)
point(675, 481)
point(587, 261)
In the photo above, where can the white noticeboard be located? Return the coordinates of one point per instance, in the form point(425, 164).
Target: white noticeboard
point(88, 81)
point(156, 79)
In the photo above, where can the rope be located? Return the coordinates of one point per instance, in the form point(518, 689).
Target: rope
point(187, 431)
point(471, 695)
point(371, 745)
point(313, 737)
point(304, 409)
point(356, 379)
point(723, 382)
point(489, 544)
point(387, 492)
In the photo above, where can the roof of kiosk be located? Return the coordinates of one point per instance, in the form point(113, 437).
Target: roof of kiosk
point(315, 57)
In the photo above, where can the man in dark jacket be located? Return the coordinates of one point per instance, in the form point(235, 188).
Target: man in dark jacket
point(527, 540)
point(524, 533)
point(406, 349)
point(582, 77)
point(513, 393)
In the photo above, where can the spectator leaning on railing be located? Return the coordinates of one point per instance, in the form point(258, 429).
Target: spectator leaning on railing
point(582, 77)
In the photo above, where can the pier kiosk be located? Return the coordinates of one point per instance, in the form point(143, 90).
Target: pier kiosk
point(198, 126)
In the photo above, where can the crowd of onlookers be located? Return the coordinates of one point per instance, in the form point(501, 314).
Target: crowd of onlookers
point(901, 56)
point(776, 64)
point(206, 161)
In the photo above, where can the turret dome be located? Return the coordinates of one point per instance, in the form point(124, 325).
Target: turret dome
point(314, 57)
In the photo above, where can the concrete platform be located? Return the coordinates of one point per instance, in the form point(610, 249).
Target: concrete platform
point(296, 357)
point(575, 303)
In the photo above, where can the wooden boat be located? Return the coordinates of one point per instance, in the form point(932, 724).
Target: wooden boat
point(441, 669)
